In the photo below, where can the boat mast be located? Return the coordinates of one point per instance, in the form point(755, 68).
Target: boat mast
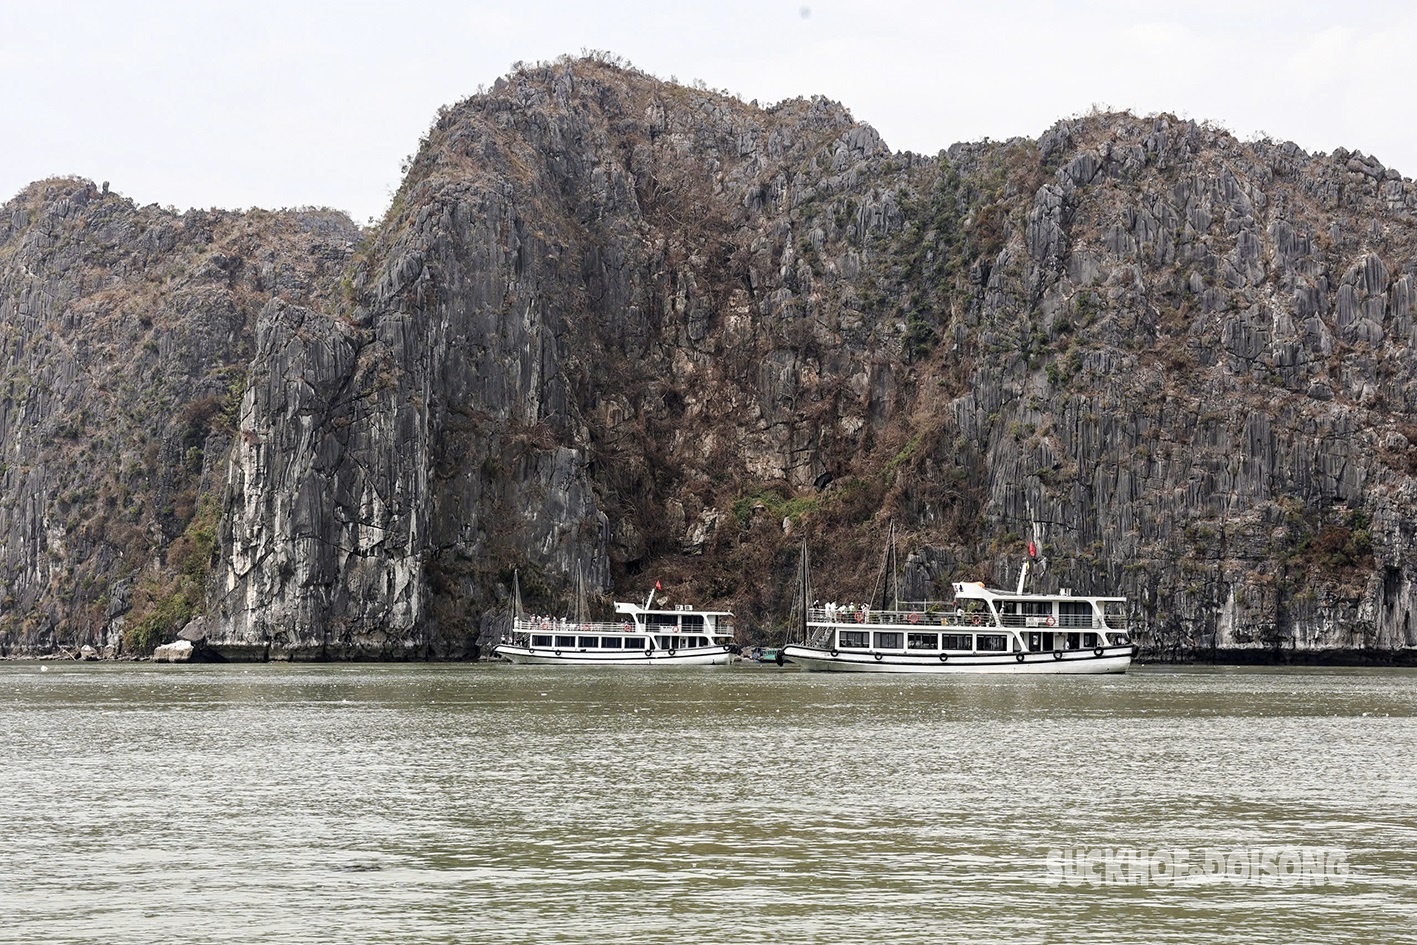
point(1023, 573)
point(516, 601)
point(806, 590)
point(582, 609)
point(883, 578)
point(895, 571)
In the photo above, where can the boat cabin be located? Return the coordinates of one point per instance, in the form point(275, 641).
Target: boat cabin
point(639, 628)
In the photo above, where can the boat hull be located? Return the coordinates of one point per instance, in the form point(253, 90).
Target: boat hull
point(1111, 659)
point(542, 656)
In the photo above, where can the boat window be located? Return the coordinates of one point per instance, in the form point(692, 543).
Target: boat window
point(1074, 613)
point(956, 641)
point(588, 642)
point(565, 641)
point(541, 639)
point(703, 641)
point(1009, 614)
point(853, 639)
point(610, 643)
point(692, 623)
point(1115, 612)
point(1118, 639)
point(661, 621)
point(890, 640)
point(634, 643)
point(922, 641)
point(1089, 640)
point(992, 642)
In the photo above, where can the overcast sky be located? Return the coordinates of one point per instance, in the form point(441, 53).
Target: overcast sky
point(297, 102)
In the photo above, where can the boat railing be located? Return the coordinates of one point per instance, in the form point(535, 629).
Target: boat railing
point(1059, 622)
point(599, 627)
point(924, 617)
point(562, 625)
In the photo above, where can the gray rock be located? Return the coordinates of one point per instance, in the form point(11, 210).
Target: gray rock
point(179, 651)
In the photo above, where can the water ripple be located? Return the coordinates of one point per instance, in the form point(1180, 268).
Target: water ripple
point(441, 804)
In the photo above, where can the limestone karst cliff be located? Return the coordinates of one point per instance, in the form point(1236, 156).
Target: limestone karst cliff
point(127, 335)
point(618, 327)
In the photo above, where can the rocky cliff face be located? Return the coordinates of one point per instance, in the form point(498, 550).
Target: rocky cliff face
point(1208, 396)
point(623, 329)
point(127, 335)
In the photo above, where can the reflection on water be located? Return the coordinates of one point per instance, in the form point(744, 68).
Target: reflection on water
point(500, 804)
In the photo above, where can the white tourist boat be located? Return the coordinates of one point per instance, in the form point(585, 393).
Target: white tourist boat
point(643, 635)
point(983, 630)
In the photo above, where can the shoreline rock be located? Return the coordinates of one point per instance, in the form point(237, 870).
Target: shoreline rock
point(179, 651)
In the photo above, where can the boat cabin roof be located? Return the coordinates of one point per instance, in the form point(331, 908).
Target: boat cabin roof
point(976, 590)
point(623, 607)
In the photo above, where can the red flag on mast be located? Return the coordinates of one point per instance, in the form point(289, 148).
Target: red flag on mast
point(1032, 549)
point(657, 587)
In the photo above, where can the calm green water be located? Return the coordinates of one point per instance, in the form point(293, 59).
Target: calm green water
point(502, 804)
